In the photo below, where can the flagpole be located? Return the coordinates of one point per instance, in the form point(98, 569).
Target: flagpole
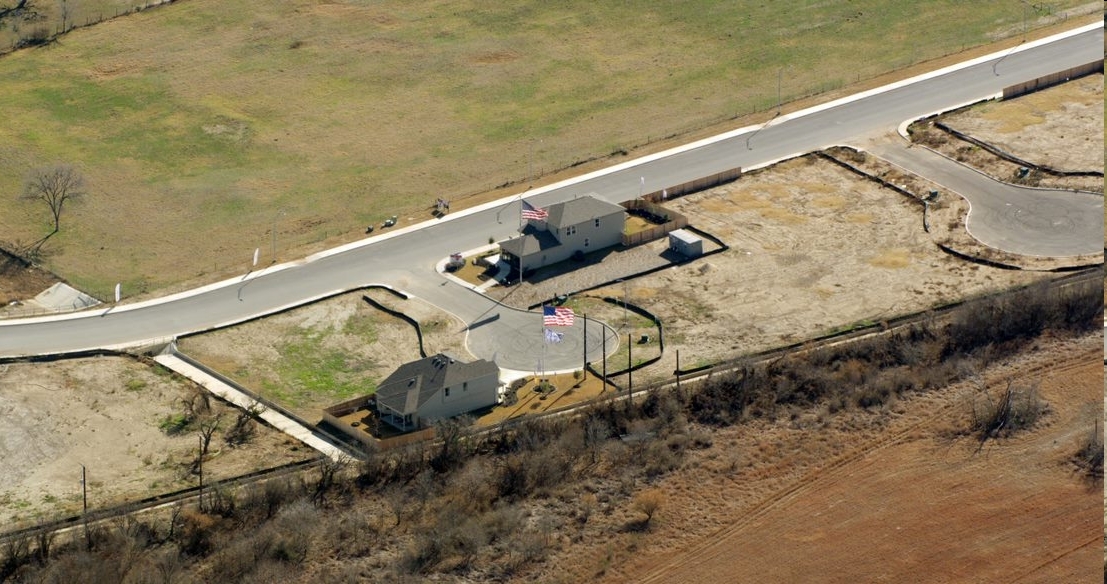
point(584, 368)
point(604, 349)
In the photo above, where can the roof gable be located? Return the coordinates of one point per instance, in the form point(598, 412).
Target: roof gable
point(412, 384)
point(580, 210)
point(533, 240)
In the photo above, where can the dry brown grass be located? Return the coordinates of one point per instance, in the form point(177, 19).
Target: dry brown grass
point(293, 107)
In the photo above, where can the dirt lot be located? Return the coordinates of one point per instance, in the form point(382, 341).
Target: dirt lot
point(877, 495)
point(104, 413)
point(812, 248)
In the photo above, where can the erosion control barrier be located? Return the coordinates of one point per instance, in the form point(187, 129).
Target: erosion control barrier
point(660, 336)
point(876, 179)
point(399, 315)
point(1011, 157)
point(1052, 79)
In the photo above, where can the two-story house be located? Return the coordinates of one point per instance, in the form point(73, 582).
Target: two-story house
point(581, 225)
point(435, 388)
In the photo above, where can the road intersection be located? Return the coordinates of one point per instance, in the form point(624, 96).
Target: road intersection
point(405, 259)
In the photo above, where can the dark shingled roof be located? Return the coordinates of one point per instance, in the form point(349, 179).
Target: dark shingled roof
point(580, 210)
point(412, 384)
point(533, 240)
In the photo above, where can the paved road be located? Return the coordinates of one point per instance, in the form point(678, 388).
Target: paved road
point(1026, 221)
point(405, 259)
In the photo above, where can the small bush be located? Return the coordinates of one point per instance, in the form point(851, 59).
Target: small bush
point(175, 424)
point(1089, 458)
point(648, 503)
point(1017, 407)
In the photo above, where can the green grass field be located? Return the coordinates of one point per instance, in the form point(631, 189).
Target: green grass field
point(202, 125)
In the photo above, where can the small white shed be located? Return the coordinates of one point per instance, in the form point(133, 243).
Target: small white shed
point(685, 243)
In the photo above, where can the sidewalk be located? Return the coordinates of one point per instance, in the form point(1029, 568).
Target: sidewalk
point(244, 401)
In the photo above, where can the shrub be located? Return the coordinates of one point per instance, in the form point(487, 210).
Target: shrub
point(174, 424)
point(1017, 407)
point(1089, 458)
point(648, 503)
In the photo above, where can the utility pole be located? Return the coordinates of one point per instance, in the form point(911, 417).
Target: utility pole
point(604, 349)
point(201, 489)
point(678, 370)
point(630, 375)
point(84, 506)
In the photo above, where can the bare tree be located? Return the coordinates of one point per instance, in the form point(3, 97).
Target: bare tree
point(208, 426)
point(64, 9)
point(55, 186)
point(244, 424)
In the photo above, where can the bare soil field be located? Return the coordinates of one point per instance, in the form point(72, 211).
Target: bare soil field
point(105, 413)
point(896, 494)
point(19, 282)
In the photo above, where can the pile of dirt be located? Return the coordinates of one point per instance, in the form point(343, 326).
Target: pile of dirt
point(20, 281)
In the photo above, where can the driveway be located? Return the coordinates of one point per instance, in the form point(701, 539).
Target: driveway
point(512, 338)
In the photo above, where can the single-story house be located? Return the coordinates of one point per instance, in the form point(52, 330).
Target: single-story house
point(435, 388)
point(584, 224)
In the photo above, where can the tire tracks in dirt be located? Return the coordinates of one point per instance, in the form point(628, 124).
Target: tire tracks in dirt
point(718, 542)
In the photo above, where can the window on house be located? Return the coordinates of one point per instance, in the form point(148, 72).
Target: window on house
point(447, 392)
point(465, 386)
point(571, 230)
point(585, 242)
point(597, 221)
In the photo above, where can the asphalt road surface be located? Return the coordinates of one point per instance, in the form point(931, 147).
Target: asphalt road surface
point(405, 259)
point(1022, 220)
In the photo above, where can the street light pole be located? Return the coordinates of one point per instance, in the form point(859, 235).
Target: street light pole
point(273, 232)
point(779, 76)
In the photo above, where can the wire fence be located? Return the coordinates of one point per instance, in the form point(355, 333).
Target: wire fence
point(54, 21)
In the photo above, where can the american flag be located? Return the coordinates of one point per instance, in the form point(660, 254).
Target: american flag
point(552, 337)
point(559, 316)
point(532, 212)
